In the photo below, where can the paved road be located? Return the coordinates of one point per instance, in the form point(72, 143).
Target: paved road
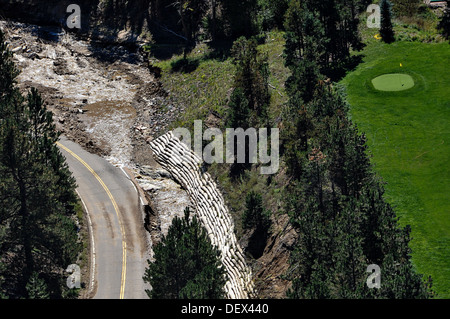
point(112, 202)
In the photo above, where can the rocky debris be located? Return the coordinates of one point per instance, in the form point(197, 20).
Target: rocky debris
point(73, 74)
point(154, 172)
point(210, 207)
point(61, 67)
point(166, 197)
point(155, 110)
point(73, 66)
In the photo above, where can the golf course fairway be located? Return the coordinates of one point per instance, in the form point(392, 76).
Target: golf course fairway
point(408, 137)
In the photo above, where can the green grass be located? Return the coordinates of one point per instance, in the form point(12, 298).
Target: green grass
point(407, 130)
point(203, 83)
point(200, 83)
point(393, 82)
point(408, 136)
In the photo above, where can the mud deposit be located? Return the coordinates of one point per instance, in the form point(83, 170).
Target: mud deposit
point(104, 98)
point(110, 123)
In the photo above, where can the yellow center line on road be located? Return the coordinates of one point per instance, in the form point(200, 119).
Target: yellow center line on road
point(116, 208)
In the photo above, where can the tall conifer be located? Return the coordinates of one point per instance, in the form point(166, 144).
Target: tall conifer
point(37, 194)
point(186, 265)
point(386, 28)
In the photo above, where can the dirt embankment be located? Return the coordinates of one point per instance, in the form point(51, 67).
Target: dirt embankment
point(271, 270)
point(105, 98)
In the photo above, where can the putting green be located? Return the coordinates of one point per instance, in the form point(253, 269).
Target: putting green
point(393, 82)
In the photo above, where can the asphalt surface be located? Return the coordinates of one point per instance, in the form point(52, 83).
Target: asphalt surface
point(112, 202)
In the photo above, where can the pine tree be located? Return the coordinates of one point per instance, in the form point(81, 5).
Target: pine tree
point(252, 73)
point(250, 97)
point(2, 269)
point(340, 20)
point(344, 224)
point(305, 36)
point(191, 12)
point(255, 216)
point(37, 288)
point(349, 259)
point(307, 205)
point(239, 110)
point(311, 265)
point(444, 23)
point(8, 71)
point(271, 13)
point(400, 279)
point(186, 265)
point(239, 18)
point(256, 219)
point(322, 32)
point(304, 51)
point(37, 193)
point(386, 28)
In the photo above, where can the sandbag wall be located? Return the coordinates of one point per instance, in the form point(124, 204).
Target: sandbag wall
point(210, 208)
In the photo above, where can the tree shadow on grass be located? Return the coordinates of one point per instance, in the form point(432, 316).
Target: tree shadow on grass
point(337, 72)
point(165, 51)
point(187, 65)
point(218, 50)
point(221, 49)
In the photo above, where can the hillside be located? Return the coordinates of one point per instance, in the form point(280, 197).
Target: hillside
point(204, 89)
point(361, 175)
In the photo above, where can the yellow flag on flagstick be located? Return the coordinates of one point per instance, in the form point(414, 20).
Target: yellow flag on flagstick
point(401, 65)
